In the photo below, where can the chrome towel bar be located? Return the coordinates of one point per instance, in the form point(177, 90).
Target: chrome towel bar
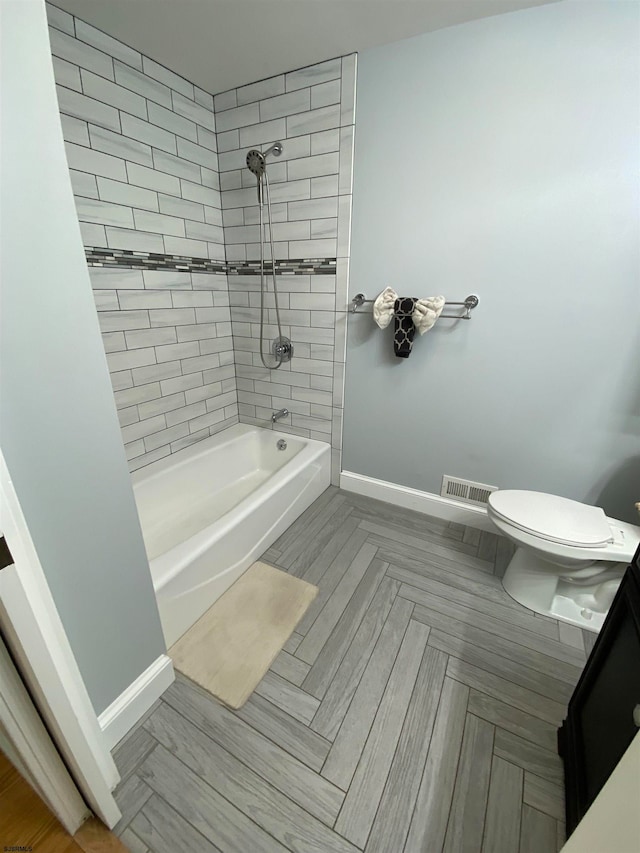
point(469, 304)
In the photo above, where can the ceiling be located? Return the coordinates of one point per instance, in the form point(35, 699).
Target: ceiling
point(221, 44)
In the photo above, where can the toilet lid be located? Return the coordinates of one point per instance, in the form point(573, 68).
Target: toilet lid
point(551, 517)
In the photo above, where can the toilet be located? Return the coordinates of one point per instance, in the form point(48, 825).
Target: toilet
point(570, 556)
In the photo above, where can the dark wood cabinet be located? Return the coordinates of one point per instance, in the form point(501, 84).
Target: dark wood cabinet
point(604, 711)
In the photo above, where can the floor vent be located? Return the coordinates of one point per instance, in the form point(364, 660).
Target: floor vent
point(465, 490)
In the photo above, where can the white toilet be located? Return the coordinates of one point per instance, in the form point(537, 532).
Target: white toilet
point(570, 557)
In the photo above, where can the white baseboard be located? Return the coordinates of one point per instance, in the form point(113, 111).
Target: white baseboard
point(424, 502)
point(134, 702)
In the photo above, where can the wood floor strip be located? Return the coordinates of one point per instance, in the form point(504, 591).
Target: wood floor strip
point(274, 813)
point(504, 808)
point(163, 830)
point(541, 762)
point(433, 803)
point(130, 796)
point(132, 752)
point(321, 630)
point(132, 842)
point(469, 803)
point(491, 610)
point(497, 676)
point(290, 776)
point(345, 753)
point(538, 832)
point(331, 550)
point(289, 667)
point(543, 795)
point(392, 821)
point(331, 578)
point(360, 805)
point(287, 696)
point(339, 639)
point(293, 736)
point(292, 643)
point(308, 543)
point(337, 699)
point(512, 720)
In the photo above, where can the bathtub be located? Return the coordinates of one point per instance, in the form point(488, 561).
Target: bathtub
point(210, 510)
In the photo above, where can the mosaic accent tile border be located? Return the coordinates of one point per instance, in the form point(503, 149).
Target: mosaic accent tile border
point(97, 257)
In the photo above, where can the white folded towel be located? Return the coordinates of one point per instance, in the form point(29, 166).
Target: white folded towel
point(383, 307)
point(426, 312)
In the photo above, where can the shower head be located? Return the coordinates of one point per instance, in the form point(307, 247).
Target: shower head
point(257, 163)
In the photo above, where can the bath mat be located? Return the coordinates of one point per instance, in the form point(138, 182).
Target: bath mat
point(231, 647)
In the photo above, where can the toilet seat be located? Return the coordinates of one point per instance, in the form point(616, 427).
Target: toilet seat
point(552, 518)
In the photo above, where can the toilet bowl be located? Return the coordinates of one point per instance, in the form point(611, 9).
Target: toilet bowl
point(570, 556)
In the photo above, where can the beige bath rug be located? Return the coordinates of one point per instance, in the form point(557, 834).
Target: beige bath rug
point(234, 643)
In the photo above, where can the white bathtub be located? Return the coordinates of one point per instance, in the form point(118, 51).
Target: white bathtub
point(210, 510)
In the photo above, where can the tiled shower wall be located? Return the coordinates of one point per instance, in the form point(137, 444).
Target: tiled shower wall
point(141, 147)
point(149, 182)
point(311, 111)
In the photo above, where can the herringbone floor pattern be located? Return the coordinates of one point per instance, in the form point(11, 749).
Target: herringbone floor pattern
point(414, 710)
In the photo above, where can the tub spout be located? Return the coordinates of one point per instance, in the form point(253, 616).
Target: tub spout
point(282, 413)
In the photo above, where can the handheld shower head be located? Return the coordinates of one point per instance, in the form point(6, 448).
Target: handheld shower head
point(257, 163)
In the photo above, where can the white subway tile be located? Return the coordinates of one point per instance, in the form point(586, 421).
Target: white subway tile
point(239, 198)
point(313, 167)
point(158, 223)
point(237, 252)
point(203, 98)
point(131, 358)
point(242, 234)
point(181, 207)
point(181, 383)
point(151, 134)
point(193, 299)
point(344, 226)
point(314, 302)
point(133, 299)
point(104, 278)
point(291, 191)
point(84, 184)
point(169, 120)
point(107, 44)
point(196, 192)
point(202, 362)
point(314, 120)
point(196, 333)
point(230, 180)
point(317, 424)
point(173, 351)
point(262, 89)
point(228, 141)
point(114, 143)
point(79, 53)
point(345, 180)
point(348, 97)
point(264, 133)
point(210, 178)
point(196, 395)
point(104, 213)
point(148, 458)
point(156, 372)
point(161, 405)
point(312, 248)
point(209, 419)
point(136, 241)
point(149, 338)
point(325, 94)
point(216, 251)
point(66, 74)
point(107, 300)
point(113, 94)
point(207, 139)
point(143, 428)
point(313, 74)
point(59, 19)
point(74, 130)
point(163, 75)
point(291, 230)
point(252, 213)
point(189, 109)
point(176, 166)
point(74, 104)
point(285, 105)
point(313, 208)
point(170, 279)
point(197, 154)
point(127, 194)
point(321, 228)
point(225, 101)
point(204, 231)
point(209, 281)
point(122, 321)
point(128, 416)
point(142, 84)
point(140, 394)
point(182, 246)
point(94, 162)
point(238, 117)
point(172, 316)
point(325, 186)
point(325, 141)
point(141, 176)
point(213, 216)
point(212, 315)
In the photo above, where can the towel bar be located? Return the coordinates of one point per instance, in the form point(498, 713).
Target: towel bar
point(469, 304)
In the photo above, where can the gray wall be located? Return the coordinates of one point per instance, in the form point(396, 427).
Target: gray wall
point(500, 157)
point(58, 426)
point(141, 146)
